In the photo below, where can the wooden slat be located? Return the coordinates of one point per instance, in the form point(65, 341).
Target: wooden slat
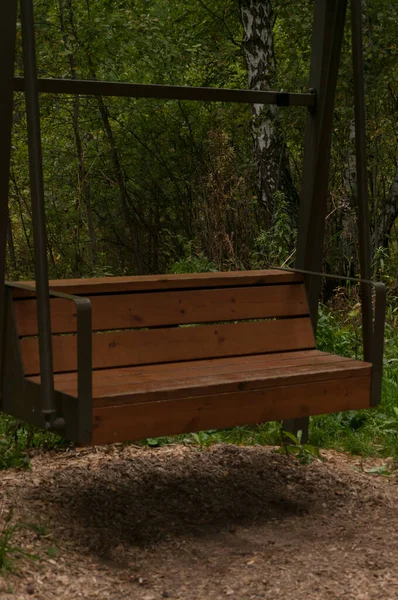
point(207, 366)
point(63, 316)
point(136, 421)
point(165, 282)
point(113, 394)
point(129, 311)
point(137, 390)
point(136, 380)
point(126, 348)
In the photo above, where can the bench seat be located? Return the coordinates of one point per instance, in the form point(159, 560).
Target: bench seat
point(175, 354)
point(155, 400)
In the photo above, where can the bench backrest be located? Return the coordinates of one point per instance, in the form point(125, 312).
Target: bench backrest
point(170, 318)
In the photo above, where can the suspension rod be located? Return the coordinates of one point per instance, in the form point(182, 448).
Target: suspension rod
point(362, 185)
point(8, 27)
point(38, 213)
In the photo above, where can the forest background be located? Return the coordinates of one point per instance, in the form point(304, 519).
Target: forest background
point(136, 186)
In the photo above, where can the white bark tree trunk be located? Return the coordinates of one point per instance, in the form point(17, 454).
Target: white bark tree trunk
point(270, 154)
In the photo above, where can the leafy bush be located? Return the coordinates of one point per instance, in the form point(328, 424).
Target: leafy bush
point(193, 261)
point(336, 334)
point(273, 246)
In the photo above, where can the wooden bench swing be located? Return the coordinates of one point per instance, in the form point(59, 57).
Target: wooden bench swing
point(124, 358)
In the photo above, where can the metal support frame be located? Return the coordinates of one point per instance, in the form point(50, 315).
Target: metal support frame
point(327, 40)
point(328, 33)
point(327, 37)
point(38, 212)
point(362, 184)
point(8, 26)
point(328, 30)
point(373, 344)
point(165, 92)
point(80, 427)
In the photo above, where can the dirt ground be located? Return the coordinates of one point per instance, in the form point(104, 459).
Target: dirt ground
point(177, 522)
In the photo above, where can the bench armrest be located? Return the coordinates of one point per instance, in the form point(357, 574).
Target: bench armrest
point(376, 343)
point(84, 345)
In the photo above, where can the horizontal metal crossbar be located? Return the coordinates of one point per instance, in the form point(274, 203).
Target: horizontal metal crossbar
point(166, 92)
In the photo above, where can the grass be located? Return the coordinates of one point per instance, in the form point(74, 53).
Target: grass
point(17, 438)
point(371, 432)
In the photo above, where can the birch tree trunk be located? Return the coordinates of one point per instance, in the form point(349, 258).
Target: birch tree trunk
point(269, 149)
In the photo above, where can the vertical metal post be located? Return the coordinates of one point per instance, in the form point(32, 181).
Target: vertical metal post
point(362, 185)
point(320, 56)
point(330, 17)
point(327, 38)
point(38, 213)
point(8, 26)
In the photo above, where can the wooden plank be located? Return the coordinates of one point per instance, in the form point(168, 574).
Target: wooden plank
point(130, 311)
point(124, 348)
point(137, 421)
point(63, 316)
point(128, 392)
point(206, 366)
point(234, 369)
point(164, 282)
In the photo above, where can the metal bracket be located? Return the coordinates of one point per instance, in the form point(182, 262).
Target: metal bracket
point(374, 345)
point(76, 412)
point(312, 109)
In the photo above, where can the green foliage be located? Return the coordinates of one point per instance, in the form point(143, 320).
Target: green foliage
point(367, 432)
point(192, 262)
point(291, 445)
point(186, 168)
point(337, 334)
point(17, 438)
point(275, 246)
point(203, 438)
point(12, 457)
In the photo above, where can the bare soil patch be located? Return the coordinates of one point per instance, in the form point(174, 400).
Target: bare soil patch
point(225, 522)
